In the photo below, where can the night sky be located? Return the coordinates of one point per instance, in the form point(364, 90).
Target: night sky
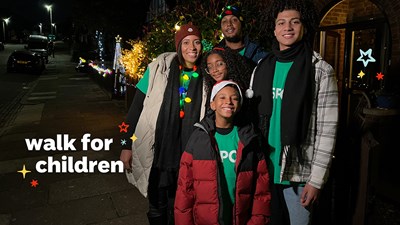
point(27, 14)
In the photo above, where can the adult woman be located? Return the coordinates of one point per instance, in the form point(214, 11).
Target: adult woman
point(169, 100)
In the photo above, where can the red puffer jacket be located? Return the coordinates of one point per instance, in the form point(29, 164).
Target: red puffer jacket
point(198, 198)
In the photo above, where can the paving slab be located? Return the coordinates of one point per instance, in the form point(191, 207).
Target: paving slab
point(88, 186)
point(130, 202)
point(126, 220)
point(82, 211)
point(65, 102)
point(5, 219)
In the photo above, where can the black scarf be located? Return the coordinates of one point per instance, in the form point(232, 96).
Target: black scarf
point(172, 132)
point(297, 100)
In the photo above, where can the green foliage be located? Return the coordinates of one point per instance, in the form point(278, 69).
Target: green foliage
point(161, 31)
point(202, 13)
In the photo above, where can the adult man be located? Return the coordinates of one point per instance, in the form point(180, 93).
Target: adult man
point(231, 27)
point(298, 111)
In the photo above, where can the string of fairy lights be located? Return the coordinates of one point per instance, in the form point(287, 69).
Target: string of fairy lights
point(134, 61)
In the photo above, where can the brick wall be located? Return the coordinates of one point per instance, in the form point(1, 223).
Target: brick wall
point(392, 11)
point(338, 15)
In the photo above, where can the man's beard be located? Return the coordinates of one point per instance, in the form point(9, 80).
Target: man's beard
point(234, 39)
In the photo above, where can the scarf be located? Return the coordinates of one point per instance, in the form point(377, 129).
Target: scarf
point(297, 98)
point(172, 132)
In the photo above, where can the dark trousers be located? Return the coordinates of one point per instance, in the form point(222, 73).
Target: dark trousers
point(279, 212)
point(161, 202)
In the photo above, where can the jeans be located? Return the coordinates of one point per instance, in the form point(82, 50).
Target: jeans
point(297, 213)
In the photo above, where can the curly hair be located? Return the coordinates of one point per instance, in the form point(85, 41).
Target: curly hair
point(239, 69)
point(307, 12)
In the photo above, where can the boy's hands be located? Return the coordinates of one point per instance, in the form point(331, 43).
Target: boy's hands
point(309, 196)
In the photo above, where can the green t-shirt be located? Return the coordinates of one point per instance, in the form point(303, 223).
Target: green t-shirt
point(228, 145)
point(143, 83)
point(274, 136)
point(241, 52)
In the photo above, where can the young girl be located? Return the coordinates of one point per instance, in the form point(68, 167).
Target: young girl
point(223, 176)
point(226, 64)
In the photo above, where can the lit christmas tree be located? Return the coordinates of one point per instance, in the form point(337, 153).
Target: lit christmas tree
point(119, 71)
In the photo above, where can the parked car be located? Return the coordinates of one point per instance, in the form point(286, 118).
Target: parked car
point(25, 61)
point(1, 46)
point(39, 44)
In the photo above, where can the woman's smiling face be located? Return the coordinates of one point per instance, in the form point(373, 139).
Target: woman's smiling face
point(190, 47)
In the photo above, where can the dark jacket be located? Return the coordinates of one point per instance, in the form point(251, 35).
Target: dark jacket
point(198, 197)
point(253, 50)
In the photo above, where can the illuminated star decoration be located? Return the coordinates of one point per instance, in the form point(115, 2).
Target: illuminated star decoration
point(118, 38)
point(379, 76)
point(34, 183)
point(369, 59)
point(361, 74)
point(123, 127)
point(133, 138)
point(24, 171)
point(123, 142)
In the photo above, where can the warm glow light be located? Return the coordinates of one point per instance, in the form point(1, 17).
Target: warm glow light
point(100, 70)
point(134, 59)
point(177, 27)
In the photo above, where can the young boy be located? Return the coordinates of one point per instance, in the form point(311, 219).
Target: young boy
point(223, 176)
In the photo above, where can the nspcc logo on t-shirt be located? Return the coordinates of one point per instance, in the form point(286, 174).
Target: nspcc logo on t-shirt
point(277, 93)
point(230, 155)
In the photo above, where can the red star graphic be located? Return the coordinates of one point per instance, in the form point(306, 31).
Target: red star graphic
point(379, 76)
point(123, 127)
point(34, 183)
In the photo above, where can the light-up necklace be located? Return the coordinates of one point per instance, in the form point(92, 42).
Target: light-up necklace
point(185, 78)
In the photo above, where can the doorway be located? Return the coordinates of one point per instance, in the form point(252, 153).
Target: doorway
point(354, 37)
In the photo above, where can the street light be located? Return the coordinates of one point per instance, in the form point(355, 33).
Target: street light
point(49, 8)
point(55, 28)
point(5, 22)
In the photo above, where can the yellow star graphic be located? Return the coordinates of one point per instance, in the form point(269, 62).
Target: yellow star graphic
point(361, 74)
point(133, 138)
point(24, 171)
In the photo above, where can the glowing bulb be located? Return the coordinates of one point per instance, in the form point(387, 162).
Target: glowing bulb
point(177, 27)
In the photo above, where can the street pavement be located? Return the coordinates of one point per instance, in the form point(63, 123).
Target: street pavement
point(64, 102)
